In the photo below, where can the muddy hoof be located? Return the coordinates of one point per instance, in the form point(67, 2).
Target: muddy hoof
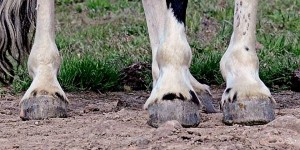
point(248, 112)
point(185, 112)
point(42, 107)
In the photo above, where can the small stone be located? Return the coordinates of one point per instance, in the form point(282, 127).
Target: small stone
point(8, 113)
point(36, 123)
point(272, 141)
point(142, 141)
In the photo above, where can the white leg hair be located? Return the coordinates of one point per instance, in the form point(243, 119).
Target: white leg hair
point(239, 65)
point(44, 60)
point(155, 23)
point(171, 54)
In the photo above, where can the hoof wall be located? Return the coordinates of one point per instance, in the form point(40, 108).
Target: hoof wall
point(185, 112)
point(43, 107)
point(248, 112)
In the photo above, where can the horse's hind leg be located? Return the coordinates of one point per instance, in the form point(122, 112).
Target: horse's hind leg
point(45, 97)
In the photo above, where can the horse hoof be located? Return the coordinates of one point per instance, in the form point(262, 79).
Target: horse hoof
point(248, 112)
point(43, 107)
point(185, 112)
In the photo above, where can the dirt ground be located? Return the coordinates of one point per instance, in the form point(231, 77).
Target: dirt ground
point(116, 121)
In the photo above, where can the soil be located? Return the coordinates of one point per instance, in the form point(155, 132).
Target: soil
point(295, 80)
point(117, 121)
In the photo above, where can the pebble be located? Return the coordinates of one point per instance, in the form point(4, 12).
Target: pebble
point(36, 123)
point(142, 141)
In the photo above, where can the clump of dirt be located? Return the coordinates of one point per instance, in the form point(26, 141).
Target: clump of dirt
point(135, 76)
point(116, 120)
point(296, 80)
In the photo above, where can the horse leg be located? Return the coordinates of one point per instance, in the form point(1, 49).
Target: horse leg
point(45, 97)
point(246, 99)
point(173, 96)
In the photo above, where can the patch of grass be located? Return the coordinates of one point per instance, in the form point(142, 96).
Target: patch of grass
point(97, 38)
point(278, 31)
point(98, 4)
point(67, 2)
point(80, 72)
point(22, 80)
point(205, 67)
point(105, 7)
point(277, 61)
point(88, 73)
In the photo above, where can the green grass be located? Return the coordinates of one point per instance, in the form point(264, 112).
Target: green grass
point(106, 31)
point(89, 73)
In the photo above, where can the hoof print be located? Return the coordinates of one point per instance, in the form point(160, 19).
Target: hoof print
point(248, 112)
point(43, 107)
point(185, 112)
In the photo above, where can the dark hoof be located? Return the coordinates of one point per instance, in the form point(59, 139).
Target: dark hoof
point(206, 100)
point(43, 107)
point(248, 112)
point(185, 112)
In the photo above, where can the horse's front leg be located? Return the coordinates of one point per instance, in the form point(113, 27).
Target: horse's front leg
point(45, 97)
point(246, 99)
point(174, 93)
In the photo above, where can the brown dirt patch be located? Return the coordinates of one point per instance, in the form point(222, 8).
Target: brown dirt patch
point(116, 121)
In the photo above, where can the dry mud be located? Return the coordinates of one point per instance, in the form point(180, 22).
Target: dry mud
point(117, 121)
